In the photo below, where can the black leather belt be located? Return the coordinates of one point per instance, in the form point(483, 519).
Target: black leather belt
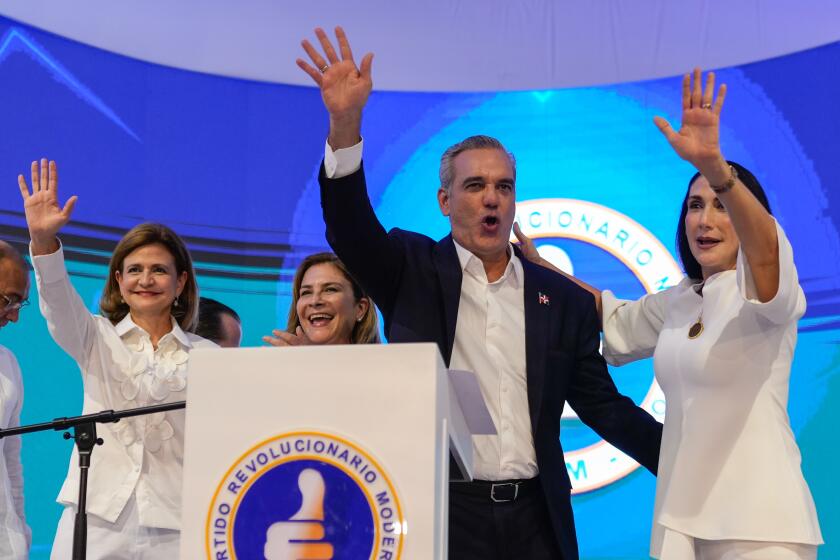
point(499, 491)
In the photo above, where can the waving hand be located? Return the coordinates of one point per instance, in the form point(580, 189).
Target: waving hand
point(344, 86)
point(44, 216)
point(698, 139)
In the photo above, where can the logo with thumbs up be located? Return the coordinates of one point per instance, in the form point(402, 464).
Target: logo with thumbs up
point(296, 538)
point(305, 495)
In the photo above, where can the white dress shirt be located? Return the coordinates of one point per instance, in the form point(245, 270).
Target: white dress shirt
point(142, 456)
point(15, 536)
point(490, 341)
point(729, 467)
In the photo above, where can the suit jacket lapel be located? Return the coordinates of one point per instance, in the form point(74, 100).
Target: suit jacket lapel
point(450, 276)
point(537, 316)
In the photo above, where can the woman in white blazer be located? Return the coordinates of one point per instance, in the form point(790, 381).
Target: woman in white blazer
point(730, 483)
point(134, 354)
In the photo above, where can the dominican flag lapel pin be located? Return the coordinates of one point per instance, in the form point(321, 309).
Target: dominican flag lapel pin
point(543, 299)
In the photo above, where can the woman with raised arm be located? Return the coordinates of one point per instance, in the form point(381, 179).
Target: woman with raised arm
point(134, 354)
point(730, 483)
point(328, 307)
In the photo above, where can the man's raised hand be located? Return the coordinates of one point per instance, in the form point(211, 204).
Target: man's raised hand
point(344, 86)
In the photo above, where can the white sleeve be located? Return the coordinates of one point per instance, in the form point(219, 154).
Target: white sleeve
point(631, 328)
point(789, 302)
point(70, 323)
point(342, 162)
point(11, 453)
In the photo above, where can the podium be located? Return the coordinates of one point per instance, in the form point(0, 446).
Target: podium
point(320, 452)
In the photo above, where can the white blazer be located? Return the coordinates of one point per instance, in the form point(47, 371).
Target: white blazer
point(729, 466)
point(142, 456)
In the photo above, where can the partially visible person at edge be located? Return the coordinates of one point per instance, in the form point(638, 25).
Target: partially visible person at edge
point(15, 536)
point(328, 307)
point(530, 335)
point(134, 354)
point(219, 323)
point(730, 483)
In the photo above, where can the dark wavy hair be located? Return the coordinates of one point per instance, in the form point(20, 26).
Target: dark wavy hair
point(690, 265)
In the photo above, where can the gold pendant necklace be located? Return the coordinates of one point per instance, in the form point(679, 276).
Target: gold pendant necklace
point(697, 328)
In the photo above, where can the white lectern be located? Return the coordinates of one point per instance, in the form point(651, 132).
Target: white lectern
point(320, 452)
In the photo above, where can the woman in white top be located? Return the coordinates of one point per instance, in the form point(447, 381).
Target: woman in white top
point(134, 354)
point(730, 484)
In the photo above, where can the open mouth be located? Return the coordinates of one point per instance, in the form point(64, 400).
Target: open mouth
point(320, 319)
point(490, 223)
point(707, 242)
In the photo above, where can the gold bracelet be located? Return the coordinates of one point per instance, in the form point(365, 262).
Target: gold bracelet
point(727, 186)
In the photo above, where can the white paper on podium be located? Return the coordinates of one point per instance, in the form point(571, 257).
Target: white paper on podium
point(468, 393)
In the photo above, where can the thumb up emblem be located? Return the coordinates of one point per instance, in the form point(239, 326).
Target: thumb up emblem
point(301, 536)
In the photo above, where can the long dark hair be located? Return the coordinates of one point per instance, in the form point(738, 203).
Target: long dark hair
point(690, 265)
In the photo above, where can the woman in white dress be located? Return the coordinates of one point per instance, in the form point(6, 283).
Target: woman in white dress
point(730, 483)
point(134, 354)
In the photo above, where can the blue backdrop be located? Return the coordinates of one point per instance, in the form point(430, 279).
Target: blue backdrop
point(232, 165)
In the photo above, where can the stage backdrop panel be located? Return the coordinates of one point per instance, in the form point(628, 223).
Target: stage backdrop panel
point(232, 165)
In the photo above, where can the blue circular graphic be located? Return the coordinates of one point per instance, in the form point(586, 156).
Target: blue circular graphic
point(603, 269)
point(275, 497)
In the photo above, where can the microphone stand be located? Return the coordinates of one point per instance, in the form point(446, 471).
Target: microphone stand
point(84, 434)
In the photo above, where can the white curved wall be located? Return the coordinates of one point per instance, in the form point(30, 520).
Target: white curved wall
point(447, 45)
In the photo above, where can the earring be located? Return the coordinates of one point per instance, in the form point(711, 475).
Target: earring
point(175, 303)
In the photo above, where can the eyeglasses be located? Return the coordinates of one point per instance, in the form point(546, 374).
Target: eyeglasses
point(8, 304)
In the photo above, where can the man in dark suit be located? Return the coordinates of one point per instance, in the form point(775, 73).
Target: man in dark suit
point(530, 335)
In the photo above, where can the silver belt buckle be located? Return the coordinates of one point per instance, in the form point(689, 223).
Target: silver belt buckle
point(502, 501)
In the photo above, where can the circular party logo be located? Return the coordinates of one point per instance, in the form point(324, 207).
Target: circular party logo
point(305, 495)
point(594, 464)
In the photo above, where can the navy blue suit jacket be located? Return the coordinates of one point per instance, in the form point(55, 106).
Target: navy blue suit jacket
point(416, 283)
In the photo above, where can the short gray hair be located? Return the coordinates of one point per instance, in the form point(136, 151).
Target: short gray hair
point(479, 142)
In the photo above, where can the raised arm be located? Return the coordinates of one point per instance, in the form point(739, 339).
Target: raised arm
point(44, 216)
point(68, 319)
point(374, 257)
point(698, 142)
point(344, 86)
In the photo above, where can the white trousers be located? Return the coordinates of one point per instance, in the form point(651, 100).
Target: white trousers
point(123, 540)
point(677, 546)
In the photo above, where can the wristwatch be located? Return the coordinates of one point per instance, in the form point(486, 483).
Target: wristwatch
point(727, 186)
